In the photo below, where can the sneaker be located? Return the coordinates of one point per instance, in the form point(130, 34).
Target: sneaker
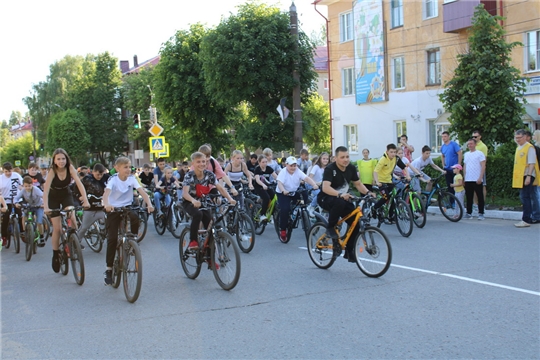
point(262, 218)
point(108, 277)
point(56, 261)
point(193, 245)
point(481, 217)
point(522, 224)
point(331, 233)
point(467, 216)
point(41, 241)
point(283, 235)
point(475, 209)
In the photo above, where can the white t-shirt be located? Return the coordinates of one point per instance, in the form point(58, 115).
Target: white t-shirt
point(419, 163)
point(290, 182)
point(122, 191)
point(317, 173)
point(399, 171)
point(9, 186)
point(473, 168)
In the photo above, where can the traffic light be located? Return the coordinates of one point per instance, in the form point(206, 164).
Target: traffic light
point(137, 121)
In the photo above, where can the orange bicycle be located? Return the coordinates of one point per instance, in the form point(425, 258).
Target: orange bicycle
point(372, 249)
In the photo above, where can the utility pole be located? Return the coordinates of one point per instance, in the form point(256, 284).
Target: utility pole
point(297, 110)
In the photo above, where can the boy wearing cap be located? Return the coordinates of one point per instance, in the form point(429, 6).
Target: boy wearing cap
point(457, 185)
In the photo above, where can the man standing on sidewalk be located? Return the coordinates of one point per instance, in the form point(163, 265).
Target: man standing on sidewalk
point(525, 176)
point(480, 146)
point(473, 172)
point(451, 155)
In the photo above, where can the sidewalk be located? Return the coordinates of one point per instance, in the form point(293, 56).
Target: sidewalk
point(489, 214)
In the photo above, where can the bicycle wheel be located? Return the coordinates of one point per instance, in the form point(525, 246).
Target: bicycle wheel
point(306, 222)
point(180, 219)
point(367, 213)
point(29, 237)
point(64, 251)
point(132, 270)
point(418, 210)
point(320, 247)
point(275, 218)
point(225, 260)
point(76, 256)
point(93, 237)
point(16, 236)
point(160, 223)
point(47, 228)
point(189, 258)
point(403, 217)
point(373, 251)
point(255, 215)
point(143, 225)
point(454, 212)
point(173, 221)
point(117, 268)
point(245, 232)
point(249, 206)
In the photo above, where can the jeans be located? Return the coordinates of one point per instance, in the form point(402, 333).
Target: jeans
point(529, 198)
point(536, 209)
point(284, 202)
point(158, 196)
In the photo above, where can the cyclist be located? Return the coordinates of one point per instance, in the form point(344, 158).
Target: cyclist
point(269, 154)
point(316, 173)
point(35, 175)
point(334, 196)
point(57, 194)
point(303, 161)
point(213, 166)
point(263, 177)
point(10, 182)
point(33, 196)
point(160, 191)
point(199, 182)
point(119, 193)
point(146, 176)
point(288, 182)
point(235, 170)
point(418, 164)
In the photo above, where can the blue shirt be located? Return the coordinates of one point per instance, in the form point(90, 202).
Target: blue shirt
point(450, 153)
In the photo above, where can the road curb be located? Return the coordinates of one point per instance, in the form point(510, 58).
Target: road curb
point(489, 214)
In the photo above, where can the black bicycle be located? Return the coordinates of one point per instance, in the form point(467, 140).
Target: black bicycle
point(238, 223)
point(32, 235)
point(14, 234)
point(298, 214)
point(163, 221)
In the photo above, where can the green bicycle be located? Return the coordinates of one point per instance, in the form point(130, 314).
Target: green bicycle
point(271, 213)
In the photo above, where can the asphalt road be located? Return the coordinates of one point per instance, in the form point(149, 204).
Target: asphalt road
point(455, 290)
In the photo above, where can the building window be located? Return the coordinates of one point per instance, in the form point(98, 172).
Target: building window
point(434, 67)
point(430, 9)
point(435, 135)
point(325, 84)
point(347, 81)
point(401, 129)
point(533, 51)
point(398, 65)
point(351, 137)
point(345, 27)
point(396, 8)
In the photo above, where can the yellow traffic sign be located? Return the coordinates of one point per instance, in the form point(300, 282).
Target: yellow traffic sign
point(155, 129)
point(164, 154)
point(157, 144)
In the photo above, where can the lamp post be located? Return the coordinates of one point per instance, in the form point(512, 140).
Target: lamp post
point(297, 111)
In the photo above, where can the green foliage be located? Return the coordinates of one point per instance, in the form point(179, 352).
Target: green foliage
point(19, 149)
point(250, 57)
point(316, 117)
point(486, 92)
point(15, 118)
point(188, 113)
point(68, 130)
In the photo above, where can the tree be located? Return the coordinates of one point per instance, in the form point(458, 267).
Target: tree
point(250, 58)
point(318, 38)
point(188, 112)
point(19, 149)
point(15, 118)
point(68, 130)
point(316, 116)
point(486, 92)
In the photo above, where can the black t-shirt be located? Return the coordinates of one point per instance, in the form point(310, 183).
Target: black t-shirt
point(94, 190)
point(250, 166)
point(146, 179)
point(37, 180)
point(263, 175)
point(339, 180)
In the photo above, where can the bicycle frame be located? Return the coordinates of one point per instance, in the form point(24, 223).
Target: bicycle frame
point(357, 213)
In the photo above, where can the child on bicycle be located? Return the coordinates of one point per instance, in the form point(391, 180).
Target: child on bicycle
point(288, 182)
point(166, 182)
point(33, 196)
point(119, 193)
point(263, 177)
point(197, 183)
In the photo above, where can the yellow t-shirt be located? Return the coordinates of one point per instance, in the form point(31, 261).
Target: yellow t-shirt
point(385, 168)
point(365, 170)
point(482, 147)
point(458, 177)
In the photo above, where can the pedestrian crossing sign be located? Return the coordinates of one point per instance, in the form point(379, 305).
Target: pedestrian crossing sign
point(157, 144)
point(164, 153)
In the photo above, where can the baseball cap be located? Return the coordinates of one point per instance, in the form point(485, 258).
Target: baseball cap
point(291, 160)
point(457, 166)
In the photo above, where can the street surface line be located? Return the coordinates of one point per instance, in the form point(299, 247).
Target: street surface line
point(461, 278)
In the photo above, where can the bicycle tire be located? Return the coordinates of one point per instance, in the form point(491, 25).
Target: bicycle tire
point(444, 201)
point(245, 232)
point(93, 237)
point(160, 223)
point(275, 218)
point(117, 268)
point(133, 270)
point(16, 236)
point(249, 206)
point(143, 225)
point(76, 257)
point(418, 210)
point(225, 260)
point(189, 259)
point(306, 222)
point(174, 221)
point(7, 242)
point(403, 217)
point(47, 228)
point(180, 217)
point(29, 237)
point(320, 247)
point(373, 252)
point(367, 213)
point(64, 265)
point(259, 225)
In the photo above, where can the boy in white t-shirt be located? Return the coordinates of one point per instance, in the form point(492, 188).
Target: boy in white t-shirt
point(418, 164)
point(119, 193)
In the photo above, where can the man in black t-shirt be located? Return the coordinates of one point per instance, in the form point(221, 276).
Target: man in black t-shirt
point(334, 196)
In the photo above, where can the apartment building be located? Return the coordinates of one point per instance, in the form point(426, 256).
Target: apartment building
point(389, 60)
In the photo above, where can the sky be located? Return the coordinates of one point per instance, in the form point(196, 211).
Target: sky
point(36, 33)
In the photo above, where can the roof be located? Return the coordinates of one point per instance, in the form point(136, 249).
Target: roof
point(320, 58)
point(151, 62)
point(21, 126)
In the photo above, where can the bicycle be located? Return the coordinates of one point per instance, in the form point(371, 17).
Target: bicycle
point(411, 198)
point(13, 230)
point(70, 248)
point(238, 223)
point(216, 247)
point(298, 213)
point(176, 215)
point(394, 210)
point(272, 213)
point(448, 203)
point(32, 235)
point(96, 235)
point(163, 222)
point(372, 249)
point(127, 264)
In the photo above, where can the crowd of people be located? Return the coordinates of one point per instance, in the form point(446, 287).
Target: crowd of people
point(328, 177)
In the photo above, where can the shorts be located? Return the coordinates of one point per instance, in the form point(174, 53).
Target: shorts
point(59, 199)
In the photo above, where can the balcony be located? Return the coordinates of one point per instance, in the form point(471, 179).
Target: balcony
point(457, 15)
